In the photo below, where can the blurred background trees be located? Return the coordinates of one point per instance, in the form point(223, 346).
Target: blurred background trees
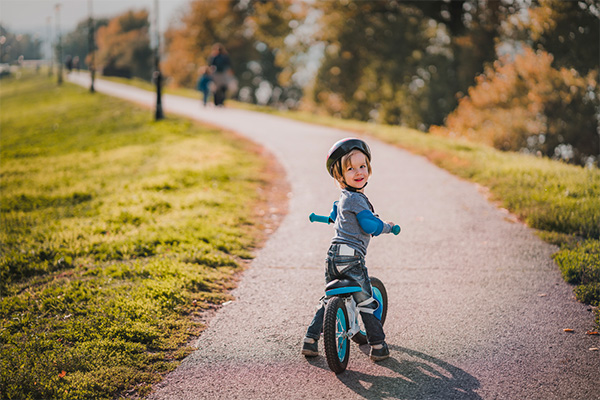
point(520, 75)
point(76, 43)
point(542, 95)
point(18, 46)
point(525, 104)
point(124, 46)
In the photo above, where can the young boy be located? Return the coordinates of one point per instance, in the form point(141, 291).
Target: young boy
point(203, 84)
point(348, 162)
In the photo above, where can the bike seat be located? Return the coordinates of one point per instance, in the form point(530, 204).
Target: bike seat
point(341, 286)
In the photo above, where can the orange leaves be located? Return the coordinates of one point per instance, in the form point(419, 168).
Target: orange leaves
point(569, 330)
point(124, 45)
point(518, 100)
point(62, 374)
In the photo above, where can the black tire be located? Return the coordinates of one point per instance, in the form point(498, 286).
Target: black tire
point(377, 284)
point(361, 338)
point(335, 341)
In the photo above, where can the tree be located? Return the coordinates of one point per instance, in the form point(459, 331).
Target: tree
point(76, 43)
point(569, 30)
point(14, 46)
point(403, 62)
point(124, 46)
point(546, 99)
point(373, 51)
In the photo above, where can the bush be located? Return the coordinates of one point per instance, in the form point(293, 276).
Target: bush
point(524, 104)
point(580, 265)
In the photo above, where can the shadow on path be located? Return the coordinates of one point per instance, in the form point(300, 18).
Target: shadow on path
point(418, 376)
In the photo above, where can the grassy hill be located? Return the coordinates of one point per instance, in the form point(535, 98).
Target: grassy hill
point(117, 234)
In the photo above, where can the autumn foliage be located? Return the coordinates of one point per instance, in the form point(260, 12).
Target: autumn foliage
point(124, 46)
point(523, 103)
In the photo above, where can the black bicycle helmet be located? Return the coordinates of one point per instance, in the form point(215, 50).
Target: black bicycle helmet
point(343, 147)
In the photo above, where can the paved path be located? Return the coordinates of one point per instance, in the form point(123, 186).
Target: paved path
point(477, 307)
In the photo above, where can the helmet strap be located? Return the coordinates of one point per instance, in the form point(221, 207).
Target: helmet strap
point(353, 189)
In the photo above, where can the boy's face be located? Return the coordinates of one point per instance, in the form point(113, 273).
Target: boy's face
point(356, 173)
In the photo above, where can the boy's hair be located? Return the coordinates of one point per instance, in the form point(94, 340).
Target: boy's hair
point(344, 163)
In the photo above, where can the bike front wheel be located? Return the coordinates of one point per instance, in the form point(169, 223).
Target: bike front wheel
point(380, 294)
point(335, 335)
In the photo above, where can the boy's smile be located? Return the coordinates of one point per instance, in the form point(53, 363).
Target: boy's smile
point(356, 174)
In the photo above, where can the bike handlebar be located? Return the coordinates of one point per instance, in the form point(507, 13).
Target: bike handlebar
point(319, 218)
point(326, 220)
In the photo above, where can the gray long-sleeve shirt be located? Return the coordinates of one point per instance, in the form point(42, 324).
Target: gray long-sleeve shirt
point(348, 229)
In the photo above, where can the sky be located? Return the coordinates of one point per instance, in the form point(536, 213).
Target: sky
point(32, 16)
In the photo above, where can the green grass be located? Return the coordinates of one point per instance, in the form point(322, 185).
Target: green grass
point(117, 234)
point(142, 84)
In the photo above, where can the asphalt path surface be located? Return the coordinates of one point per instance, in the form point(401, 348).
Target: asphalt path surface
point(477, 307)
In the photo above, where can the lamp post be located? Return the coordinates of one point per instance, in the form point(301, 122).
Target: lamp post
point(50, 52)
point(2, 41)
point(92, 47)
point(59, 45)
point(157, 76)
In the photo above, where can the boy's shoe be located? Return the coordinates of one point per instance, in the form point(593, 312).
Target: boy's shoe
point(380, 354)
point(310, 349)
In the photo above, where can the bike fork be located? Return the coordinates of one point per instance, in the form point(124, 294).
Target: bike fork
point(352, 311)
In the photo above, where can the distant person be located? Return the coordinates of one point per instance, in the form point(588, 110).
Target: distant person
point(203, 84)
point(69, 63)
point(76, 63)
point(222, 72)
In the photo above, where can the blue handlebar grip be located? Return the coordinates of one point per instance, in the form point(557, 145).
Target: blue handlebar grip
point(396, 229)
point(319, 218)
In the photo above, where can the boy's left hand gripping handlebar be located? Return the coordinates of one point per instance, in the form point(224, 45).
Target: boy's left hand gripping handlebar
point(326, 220)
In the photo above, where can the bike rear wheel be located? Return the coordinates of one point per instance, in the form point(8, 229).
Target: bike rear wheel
point(380, 294)
point(335, 335)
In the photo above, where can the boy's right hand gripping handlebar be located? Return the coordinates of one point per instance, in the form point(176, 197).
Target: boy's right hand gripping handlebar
point(326, 220)
point(319, 218)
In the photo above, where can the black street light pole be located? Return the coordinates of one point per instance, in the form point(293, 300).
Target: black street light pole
point(59, 46)
point(157, 75)
point(50, 49)
point(92, 47)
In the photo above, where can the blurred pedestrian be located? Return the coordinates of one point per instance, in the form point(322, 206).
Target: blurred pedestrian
point(76, 63)
point(204, 83)
point(220, 63)
point(69, 63)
